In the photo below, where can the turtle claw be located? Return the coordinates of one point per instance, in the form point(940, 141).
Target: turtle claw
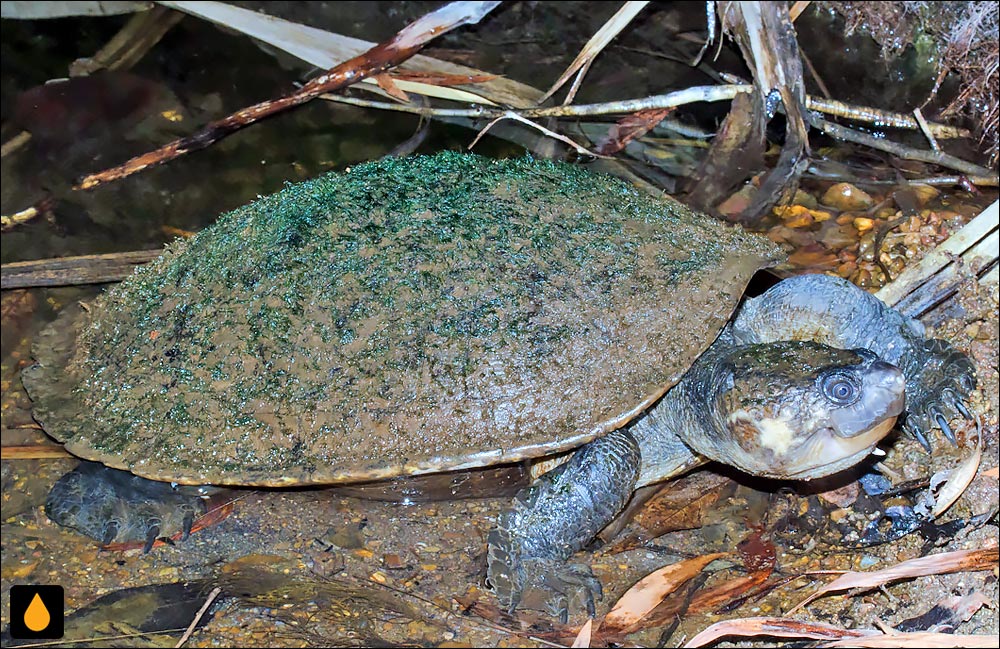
point(110, 532)
point(553, 580)
point(152, 533)
point(960, 406)
point(916, 433)
point(579, 576)
point(945, 428)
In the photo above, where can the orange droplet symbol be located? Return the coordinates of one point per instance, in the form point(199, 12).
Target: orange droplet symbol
point(37, 616)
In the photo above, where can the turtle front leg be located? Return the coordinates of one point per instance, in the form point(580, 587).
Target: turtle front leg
point(113, 506)
point(557, 516)
point(938, 378)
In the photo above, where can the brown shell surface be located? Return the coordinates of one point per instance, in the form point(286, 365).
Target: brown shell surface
point(406, 316)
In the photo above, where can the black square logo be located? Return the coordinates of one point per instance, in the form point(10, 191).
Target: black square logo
point(36, 612)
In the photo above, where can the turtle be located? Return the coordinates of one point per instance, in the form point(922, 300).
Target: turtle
point(446, 312)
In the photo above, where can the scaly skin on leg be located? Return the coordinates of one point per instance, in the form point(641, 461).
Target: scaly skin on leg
point(556, 517)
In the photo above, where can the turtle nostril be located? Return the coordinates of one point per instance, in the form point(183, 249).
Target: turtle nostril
point(888, 375)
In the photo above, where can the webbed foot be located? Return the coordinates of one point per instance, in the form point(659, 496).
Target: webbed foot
point(114, 506)
point(562, 583)
point(551, 583)
point(936, 390)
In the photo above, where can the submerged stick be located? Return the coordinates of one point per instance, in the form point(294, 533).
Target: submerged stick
point(36, 452)
point(197, 618)
point(883, 117)
point(902, 151)
point(72, 271)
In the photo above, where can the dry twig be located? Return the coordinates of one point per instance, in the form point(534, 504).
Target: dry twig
point(197, 618)
point(597, 42)
point(375, 61)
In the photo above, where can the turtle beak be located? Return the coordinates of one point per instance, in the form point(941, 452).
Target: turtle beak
point(856, 430)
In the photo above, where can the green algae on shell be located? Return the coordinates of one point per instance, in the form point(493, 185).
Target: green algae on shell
point(406, 316)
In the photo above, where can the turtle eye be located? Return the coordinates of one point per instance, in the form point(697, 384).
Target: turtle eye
point(840, 388)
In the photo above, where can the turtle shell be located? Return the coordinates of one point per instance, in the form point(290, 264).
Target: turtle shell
point(403, 317)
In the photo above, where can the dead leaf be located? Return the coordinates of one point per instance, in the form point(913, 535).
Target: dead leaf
point(649, 591)
point(583, 638)
point(949, 613)
point(775, 627)
point(934, 564)
point(386, 83)
point(629, 128)
point(759, 558)
point(712, 599)
point(597, 42)
point(736, 153)
point(958, 480)
point(733, 206)
point(679, 506)
point(440, 78)
point(325, 49)
point(920, 639)
point(539, 623)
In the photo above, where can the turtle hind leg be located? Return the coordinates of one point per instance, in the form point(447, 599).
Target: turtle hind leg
point(558, 516)
point(113, 506)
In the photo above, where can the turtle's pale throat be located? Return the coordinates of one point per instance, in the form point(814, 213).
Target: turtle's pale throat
point(828, 453)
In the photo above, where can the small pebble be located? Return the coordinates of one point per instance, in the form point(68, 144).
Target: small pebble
point(846, 197)
point(862, 278)
point(393, 561)
point(803, 220)
point(925, 193)
point(864, 224)
point(868, 561)
point(846, 269)
point(738, 202)
point(805, 199)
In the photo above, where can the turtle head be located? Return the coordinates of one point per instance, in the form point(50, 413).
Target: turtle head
point(801, 410)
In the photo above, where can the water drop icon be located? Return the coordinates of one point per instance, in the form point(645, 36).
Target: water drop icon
point(37, 617)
